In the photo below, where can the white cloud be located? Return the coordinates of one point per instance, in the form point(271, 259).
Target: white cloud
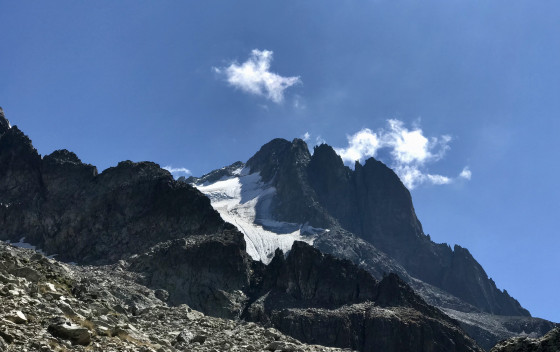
point(254, 76)
point(466, 173)
point(362, 144)
point(412, 176)
point(306, 136)
point(176, 171)
point(410, 151)
point(319, 140)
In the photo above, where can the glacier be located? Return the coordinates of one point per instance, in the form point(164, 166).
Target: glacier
point(243, 200)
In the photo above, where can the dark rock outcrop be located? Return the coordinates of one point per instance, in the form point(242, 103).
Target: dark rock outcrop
point(209, 273)
point(284, 164)
point(307, 277)
point(548, 343)
point(20, 165)
point(65, 207)
point(320, 299)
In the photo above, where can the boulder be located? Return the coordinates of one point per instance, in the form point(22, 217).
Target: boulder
point(65, 330)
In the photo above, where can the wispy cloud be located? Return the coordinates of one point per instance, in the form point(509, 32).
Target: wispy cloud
point(299, 103)
point(410, 152)
point(254, 76)
point(177, 171)
point(306, 136)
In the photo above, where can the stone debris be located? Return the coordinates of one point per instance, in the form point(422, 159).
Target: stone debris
point(50, 306)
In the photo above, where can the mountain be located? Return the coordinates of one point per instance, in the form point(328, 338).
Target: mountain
point(146, 256)
point(372, 203)
point(364, 215)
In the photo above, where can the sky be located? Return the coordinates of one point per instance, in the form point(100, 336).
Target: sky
point(461, 98)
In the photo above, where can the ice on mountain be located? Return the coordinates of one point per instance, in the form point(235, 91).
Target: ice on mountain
point(244, 200)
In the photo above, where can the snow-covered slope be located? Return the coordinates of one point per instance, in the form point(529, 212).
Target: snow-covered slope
point(243, 200)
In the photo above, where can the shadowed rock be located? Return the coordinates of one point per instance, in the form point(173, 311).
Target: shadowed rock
point(65, 207)
point(548, 343)
point(320, 299)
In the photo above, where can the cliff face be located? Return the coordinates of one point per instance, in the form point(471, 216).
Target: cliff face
point(372, 203)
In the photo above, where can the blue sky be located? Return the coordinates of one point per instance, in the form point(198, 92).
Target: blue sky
point(473, 84)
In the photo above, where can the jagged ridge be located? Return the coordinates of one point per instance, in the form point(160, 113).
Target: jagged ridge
point(371, 202)
point(65, 207)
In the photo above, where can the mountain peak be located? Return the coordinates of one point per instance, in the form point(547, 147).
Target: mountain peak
point(299, 143)
point(276, 153)
point(325, 154)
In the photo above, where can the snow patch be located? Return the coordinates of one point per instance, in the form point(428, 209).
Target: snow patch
point(244, 201)
point(23, 244)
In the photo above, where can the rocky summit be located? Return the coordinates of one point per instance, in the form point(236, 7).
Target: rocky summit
point(130, 259)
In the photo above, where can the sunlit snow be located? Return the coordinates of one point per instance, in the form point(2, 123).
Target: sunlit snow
point(244, 201)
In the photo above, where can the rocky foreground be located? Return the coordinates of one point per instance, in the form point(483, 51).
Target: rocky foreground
point(50, 306)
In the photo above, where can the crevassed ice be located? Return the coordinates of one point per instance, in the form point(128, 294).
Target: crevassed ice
point(244, 200)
